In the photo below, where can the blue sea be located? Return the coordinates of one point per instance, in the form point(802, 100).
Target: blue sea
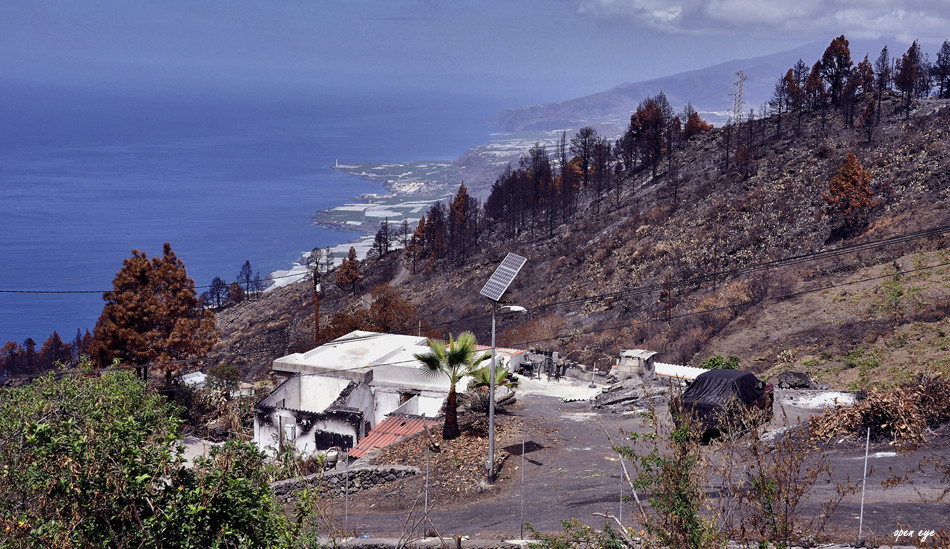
point(86, 176)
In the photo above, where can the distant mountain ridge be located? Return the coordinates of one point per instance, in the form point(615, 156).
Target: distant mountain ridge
point(708, 89)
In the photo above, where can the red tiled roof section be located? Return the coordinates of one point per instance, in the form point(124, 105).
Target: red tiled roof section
point(390, 430)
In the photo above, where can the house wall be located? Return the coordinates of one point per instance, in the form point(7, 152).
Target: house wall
point(387, 400)
point(361, 398)
point(314, 413)
point(308, 432)
point(278, 397)
point(430, 404)
point(317, 393)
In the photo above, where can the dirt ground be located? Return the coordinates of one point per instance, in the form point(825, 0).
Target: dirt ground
point(569, 470)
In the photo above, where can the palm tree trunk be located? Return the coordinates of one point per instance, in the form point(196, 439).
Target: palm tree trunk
point(451, 428)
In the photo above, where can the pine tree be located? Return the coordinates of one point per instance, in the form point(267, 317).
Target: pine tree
point(461, 225)
point(349, 272)
point(415, 250)
point(815, 87)
point(913, 76)
point(30, 345)
point(54, 350)
point(328, 260)
point(649, 124)
point(582, 145)
point(836, 67)
point(404, 232)
point(383, 239)
point(694, 124)
point(864, 73)
point(151, 315)
point(795, 81)
point(258, 285)
point(849, 197)
point(391, 312)
point(882, 73)
point(315, 260)
point(941, 71)
point(435, 235)
point(9, 358)
point(245, 277)
point(82, 343)
point(217, 292)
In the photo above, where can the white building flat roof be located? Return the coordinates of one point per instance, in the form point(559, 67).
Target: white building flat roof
point(387, 358)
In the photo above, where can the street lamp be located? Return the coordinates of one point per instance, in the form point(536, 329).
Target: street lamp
point(491, 388)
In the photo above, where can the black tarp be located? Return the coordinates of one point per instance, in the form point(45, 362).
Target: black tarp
point(715, 392)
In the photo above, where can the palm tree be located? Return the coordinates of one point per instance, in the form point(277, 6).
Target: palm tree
point(455, 360)
point(482, 376)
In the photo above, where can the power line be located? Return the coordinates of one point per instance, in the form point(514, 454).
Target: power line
point(644, 322)
point(373, 335)
point(693, 281)
point(749, 269)
point(733, 273)
point(178, 288)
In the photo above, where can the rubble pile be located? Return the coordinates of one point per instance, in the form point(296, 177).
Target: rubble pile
point(901, 414)
point(621, 397)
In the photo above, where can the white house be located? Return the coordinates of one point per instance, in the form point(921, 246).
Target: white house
point(336, 393)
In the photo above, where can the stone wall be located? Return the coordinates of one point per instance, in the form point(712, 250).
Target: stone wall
point(335, 482)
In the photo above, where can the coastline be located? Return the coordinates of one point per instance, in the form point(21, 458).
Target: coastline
point(412, 188)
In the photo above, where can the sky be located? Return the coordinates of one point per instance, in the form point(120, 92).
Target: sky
point(528, 51)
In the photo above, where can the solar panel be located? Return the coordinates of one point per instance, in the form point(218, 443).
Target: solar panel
point(503, 276)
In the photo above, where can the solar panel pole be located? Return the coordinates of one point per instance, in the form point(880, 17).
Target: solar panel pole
point(491, 401)
point(494, 289)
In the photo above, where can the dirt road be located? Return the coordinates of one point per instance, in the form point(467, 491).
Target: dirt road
point(570, 470)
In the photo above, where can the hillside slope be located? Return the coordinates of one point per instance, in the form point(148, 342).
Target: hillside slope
point(705, 234)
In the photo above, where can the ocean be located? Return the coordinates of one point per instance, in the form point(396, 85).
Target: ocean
point(87, 176)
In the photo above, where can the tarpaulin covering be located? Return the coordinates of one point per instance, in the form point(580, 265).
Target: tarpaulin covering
point(716, 391)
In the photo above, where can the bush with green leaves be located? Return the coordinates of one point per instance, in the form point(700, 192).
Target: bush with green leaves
point(93, 461)
point(670, 467)
point(577, 535)
point(717, 362)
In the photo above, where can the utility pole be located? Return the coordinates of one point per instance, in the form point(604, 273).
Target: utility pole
point(737, 105)
point(316, 304)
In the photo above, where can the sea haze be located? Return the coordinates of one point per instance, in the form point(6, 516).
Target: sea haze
point(86, 176)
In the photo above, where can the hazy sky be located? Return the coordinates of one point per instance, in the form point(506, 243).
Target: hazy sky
point(533, 50)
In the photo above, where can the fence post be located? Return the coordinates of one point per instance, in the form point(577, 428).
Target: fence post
point(864, 481)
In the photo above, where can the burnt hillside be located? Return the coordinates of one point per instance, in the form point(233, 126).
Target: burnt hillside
point(692, 262)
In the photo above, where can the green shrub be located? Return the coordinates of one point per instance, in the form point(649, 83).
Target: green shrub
point(577, 535)
point(670, 469)
point(717, 362)
point(94, 462)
